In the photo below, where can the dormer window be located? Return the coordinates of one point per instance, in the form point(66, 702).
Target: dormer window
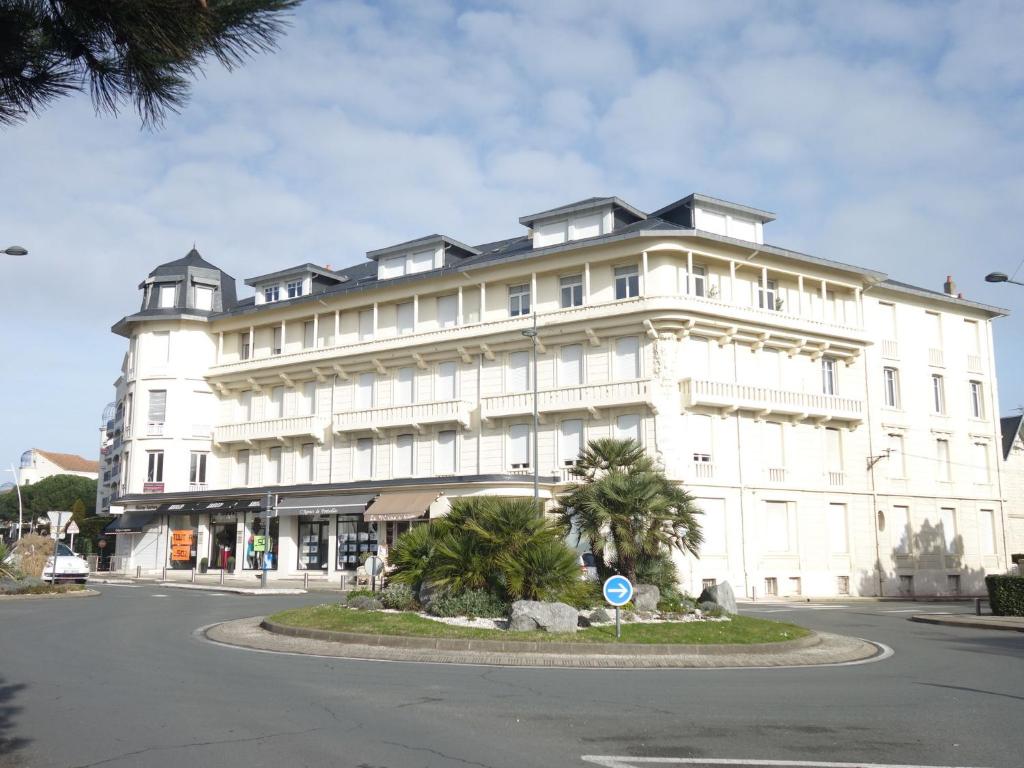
point(272, 293)
point(204, 297)
point(294, 289)
point(167, 295)
point(592, 217)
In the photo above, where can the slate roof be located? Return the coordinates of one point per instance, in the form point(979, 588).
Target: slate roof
point(1010, 427)
point(191, 259)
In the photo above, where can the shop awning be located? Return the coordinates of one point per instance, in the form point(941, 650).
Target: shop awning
point(400, 506)
point(352, 504)
point(129, 522)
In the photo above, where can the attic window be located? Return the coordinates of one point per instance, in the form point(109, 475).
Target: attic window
point(405, 264)
point(271, 293)
point(294, 289)
point(167, 295)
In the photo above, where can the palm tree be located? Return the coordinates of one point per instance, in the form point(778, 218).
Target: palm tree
point(626, 507)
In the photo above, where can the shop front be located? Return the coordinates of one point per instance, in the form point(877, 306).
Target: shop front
point(396, 513)
point(206, 534)
point(261, 548)
point(312, 516)
point(223, 532)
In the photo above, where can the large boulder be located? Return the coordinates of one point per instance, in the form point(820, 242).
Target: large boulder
point(548, 617)
point(646, 597)
point(722, 595)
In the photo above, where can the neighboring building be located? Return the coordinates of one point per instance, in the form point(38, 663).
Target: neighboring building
point(838, 429)
point(1013, 485)
point(37, 464)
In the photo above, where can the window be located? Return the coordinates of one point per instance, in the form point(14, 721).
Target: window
point(570, 442)
point(698, 281)
point(161, 348)
point(953, 583)
point(365, 385)
point(897, 459)
point(272, 293)
point(275, 346)
point(275, 403)
point(519, 446)
point(244, 345)
point(203, 297)
point(973, 337)
point(627, 358)
point(773, 449)
point(294, 289)
point(771, 586)
point(833, 450)
point(828, 375)
point(305, 470)
point(838, 538)
point(404, 318)
point(197, 467)
point(403, 456)
point(245, 406)
point(363, 464)
point(157, 411)
point(405, 381)
point(365, 324)
point(518, 377)
point(552, 233)
point(448, 311)
point(767, 295)
point(518, 300)
point(947, 518)
point(585, 226)
point(242, 468)
point(987, 531)
point(776, 521)
point(571, 289)
point(901, 530)
point(938, 395)
point(627, 282)
point(391, 266)
point(308, 340)
point(942, 464)
point(570, 365)
point(168, 293)
point(444, 453)
point(977, 400)
point(842, 585)
point(154, 466)
point(891, 383)
point(273, 473)
point(981, 466)
point(627, 427)
point(713, 526)
point(700, 434)
point(422, 261)
point(307, 399)
point(445, 386)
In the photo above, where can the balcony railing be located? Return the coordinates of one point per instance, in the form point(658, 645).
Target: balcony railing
point(271, 429)
point(415, 416)
point(197, 486)
point(155, 428)
point(765, 401)
point(703, 470)
point(890, 349)
point(576, 398)
point(836, 479)
point(935, 357)
point(974, 364)
point(776, 474)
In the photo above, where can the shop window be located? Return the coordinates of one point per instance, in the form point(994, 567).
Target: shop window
point(355, 538)
point(257, 546)
point(312, 544)
point(222, 543)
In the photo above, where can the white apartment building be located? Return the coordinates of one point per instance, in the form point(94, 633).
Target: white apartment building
point(37, 464)
point(837, 428)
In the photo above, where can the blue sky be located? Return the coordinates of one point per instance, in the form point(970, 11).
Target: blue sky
point(889, 137)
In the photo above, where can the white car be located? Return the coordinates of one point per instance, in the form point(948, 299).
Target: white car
point(70, 567)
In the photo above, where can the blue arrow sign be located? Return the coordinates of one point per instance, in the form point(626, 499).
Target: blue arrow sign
point(618, 591)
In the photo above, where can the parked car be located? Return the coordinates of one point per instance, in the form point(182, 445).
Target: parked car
point(70, 566)
point(588, 566)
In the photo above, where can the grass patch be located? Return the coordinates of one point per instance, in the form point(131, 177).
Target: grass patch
point(740, 630)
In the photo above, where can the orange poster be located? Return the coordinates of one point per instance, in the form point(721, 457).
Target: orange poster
point(181, 545)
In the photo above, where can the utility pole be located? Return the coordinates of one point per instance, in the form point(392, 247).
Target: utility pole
point(531, 333)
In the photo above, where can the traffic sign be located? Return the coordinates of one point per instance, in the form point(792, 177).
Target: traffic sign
point(374, 565)
point(72, 528)
point(617, 591)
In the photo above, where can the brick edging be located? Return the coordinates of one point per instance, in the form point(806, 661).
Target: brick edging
point(520, 646)
point(968, 622)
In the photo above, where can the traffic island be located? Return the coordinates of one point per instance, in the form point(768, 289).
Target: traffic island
point(268, 634)
point(58, 593)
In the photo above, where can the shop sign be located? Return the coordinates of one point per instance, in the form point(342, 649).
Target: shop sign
point(152, 487)
point(259, 543)
point(181, 545)
point(222, 517)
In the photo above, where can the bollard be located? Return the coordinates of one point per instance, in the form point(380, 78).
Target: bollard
point(977, 606)
point(193, 576)
point(163, 576)
point(305, 579)
point(222, 576)
point(138, 571)
point(753, 594)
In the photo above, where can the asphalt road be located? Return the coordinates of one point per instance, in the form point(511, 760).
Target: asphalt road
point(122, 680)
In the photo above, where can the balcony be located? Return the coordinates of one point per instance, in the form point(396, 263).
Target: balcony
point(974, 364)
point(582, 397)
point(764, 402)
point(271, 430)
point(415, 416)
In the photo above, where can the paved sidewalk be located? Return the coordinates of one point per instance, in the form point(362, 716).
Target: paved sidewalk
point(829, 649)
point(249, 585)
point(1006, 623)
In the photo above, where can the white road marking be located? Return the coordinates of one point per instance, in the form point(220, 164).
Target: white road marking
point(902, 610)
point(624, 761)
point(158, 595)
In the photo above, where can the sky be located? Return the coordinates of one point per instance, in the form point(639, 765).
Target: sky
point(886, 135)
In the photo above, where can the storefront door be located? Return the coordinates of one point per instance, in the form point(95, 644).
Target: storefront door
point(312, 544)
point(183, 540)
point(222, 544)
point(255, 526)
point(355, 537)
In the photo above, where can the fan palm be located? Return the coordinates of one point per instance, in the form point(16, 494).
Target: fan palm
point(626, 507)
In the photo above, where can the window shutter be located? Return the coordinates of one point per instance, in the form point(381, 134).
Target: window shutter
point(570, 365)
point(364, 457)
point(837, 529)
point(948, 517)
point(204, 297)
point(245, 406)
point(404, 384)
point(444, 463)
point(306, 464)
point(309, 398)
point(777, 526)
point(700, 429)
point(403, 456)
point(391, 266)
point(627, 427)
point(519, 372)
point(421, 262)
point(570, 442)
point(161, 345)
point(447, 311)
point(365, 324)
point(519, 445)
point(834, 450)
point(627, 358)
point(712, 525)
point(364, 390)
point(158, 405)
point(405, 318)
point(276, 403)
point(446, 373)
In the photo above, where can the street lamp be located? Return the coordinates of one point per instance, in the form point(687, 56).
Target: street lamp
point(531, 333)
point(16, 250)
point(1000, 277)
point(17, 486)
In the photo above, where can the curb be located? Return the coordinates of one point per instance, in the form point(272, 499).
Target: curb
point(52, 595)
point(968, 622)
point(234, 590)
point(519, 646)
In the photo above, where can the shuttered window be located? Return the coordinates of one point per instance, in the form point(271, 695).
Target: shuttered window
point(363, 465)
point(157, 406)
point(305, 469)
point(365, 324)
point(519, 446)
point(948, 517)
point(444, 453)
point(273, 474)
point(421, 262)
point(446, 389)
point(204, 297)
point(403, 456)
point(245, 406)
point(307, 399)
point(570, 365)
point(712, 525)
point(901, 530)
point(161, 348)
point(776, 526)
point(447, 311)
point(518, 377)
point(308, 341)
point(364, 390)
point(242, 468)
point(700, 434)
point(627, 427)
point(837, 533)
point(627, 358)
point(404, 318)
point(275, 403)
point(987, 531)
point(404, 386)
point(834, 450)
point(570, 442)
point(275, 344)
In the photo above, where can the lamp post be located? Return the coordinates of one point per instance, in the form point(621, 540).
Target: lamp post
point(1000, 277)
point(17, 486)
point(531, 333)
point(15, 250)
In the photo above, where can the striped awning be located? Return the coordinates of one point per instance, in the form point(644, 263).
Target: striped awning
point(410, 505)
point(129, 522)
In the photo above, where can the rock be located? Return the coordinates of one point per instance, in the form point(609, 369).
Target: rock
point(548, 617)
point(599, 616)
point(582, 621)
point(722, 595)
point(646, 597)
point(428, 593)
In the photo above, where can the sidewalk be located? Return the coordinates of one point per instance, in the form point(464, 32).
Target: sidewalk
point(1006, 623)
point(239, 585)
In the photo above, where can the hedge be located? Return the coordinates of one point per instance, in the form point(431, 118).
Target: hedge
point(1006, 594)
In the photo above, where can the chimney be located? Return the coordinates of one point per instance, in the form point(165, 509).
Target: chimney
point(949, 287)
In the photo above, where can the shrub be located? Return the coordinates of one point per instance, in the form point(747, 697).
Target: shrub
point(31, 553)
point(204, 565)
point(711, 609)
point(362, 593)
point(7, 569)
point(659, 570)
point(33, 586)
point(410, 555)
point(364, 603)
point(476, 602)
point(581, 594)
point(1006, 594)
point(399, 597)
point(675, 604)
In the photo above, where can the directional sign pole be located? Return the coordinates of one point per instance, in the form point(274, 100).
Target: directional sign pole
point(617, 591)
point(618, 624)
